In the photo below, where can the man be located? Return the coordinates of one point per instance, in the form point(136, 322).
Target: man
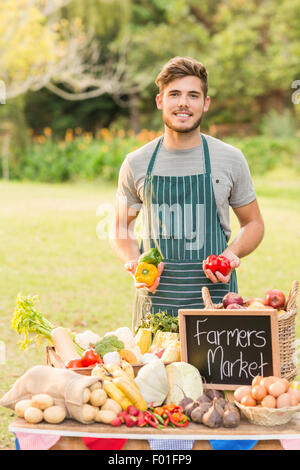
point(185, 182)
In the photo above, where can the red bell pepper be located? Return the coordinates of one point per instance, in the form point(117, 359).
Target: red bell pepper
point(217, 263)
point(74, 364)
point(90, 357)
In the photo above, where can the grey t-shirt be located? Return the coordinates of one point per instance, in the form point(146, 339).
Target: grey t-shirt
point(231, 177)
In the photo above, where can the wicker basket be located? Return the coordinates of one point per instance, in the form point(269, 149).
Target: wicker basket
point(268, 416)
point(286, 331)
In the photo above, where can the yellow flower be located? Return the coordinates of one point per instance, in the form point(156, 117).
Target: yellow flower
point(78, 130)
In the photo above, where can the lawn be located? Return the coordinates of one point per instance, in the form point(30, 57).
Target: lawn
point(53, 244)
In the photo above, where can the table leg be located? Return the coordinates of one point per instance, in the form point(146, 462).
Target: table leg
point(136, 444)
point(69, 443)
point(268, 445)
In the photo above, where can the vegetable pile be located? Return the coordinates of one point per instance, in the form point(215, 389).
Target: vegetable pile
point(273, 299)
point(268, 392)
point(212, 410)
point(159, 418)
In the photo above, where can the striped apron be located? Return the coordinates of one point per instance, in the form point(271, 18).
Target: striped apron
point(182, 220)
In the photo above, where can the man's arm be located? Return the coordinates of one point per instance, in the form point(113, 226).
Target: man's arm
point(246, 241)
point(252, 230)
point(124, 243)
point(122, 239)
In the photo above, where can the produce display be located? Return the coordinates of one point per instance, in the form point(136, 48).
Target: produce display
point(40, 407)
point(268, 392)
point(141, 380)
point(273, 299)
point(212, 409)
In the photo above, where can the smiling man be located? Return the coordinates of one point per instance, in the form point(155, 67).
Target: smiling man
point(185, 182)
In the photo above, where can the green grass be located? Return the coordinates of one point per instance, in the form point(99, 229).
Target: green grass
point(49, 247)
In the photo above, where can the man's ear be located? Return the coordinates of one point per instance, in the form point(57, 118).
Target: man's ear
point(206, 104)
point(158, 100)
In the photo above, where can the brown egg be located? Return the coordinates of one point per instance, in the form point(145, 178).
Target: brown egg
point(294, 397)
point(258, 392)
point(269, 401)
point(248, 400)
point(267, 381)
point(287, 384)
point(240, 392)
point(256, 380)
point(283, 400)
point(276, 389)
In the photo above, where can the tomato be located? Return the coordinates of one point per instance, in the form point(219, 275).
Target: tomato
point(90, 357)
point(74, 364)
point(217, 263)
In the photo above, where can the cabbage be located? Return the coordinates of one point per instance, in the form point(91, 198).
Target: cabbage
point(184, 380)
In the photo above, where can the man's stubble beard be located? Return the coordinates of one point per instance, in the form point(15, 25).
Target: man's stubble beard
point(184, 130)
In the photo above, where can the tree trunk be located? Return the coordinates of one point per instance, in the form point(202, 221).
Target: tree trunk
point(134, 113)
point(275, 99)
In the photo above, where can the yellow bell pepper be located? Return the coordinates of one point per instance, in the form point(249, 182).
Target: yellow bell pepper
point(146, 273)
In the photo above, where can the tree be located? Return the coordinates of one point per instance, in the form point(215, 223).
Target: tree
point(39, 48)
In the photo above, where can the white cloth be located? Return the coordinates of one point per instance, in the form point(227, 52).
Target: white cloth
point(170, 444)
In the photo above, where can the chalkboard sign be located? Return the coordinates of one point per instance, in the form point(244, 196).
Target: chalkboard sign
point(230, 347)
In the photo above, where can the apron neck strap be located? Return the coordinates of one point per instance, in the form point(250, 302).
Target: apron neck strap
point(152, 161)
point(205, 153)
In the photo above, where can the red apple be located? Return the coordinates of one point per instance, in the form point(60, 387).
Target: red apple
point(232, 298)
point(274, 298)
point(235, 307)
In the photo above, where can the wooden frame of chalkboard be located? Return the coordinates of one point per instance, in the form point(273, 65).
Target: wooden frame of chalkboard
point(229, 346)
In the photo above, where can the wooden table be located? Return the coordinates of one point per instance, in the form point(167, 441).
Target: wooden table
point(71, 433)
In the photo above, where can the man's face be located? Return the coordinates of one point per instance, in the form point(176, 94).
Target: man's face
point(182, 103)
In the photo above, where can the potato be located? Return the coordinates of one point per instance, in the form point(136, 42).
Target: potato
point(96, 386)
point(98, 397)
point(105, 416)
point(42, 401)
point(55, 414)
point(33, 415)
point(21, 407)
point(86, 395)
point(112, 405)
point(89, 412)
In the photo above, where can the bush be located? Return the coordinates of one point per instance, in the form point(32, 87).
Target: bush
point(264, 154)
point(87, 157)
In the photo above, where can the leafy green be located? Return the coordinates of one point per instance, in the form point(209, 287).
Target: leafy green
point(28, 320)
point(107, 344)
point(160, 321)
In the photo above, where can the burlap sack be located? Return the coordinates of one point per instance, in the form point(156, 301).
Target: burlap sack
point(65, 386)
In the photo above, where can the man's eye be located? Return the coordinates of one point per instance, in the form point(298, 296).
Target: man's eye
point(173, 94)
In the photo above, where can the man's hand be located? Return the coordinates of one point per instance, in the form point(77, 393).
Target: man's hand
point(217, 276)
point(131, 267)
